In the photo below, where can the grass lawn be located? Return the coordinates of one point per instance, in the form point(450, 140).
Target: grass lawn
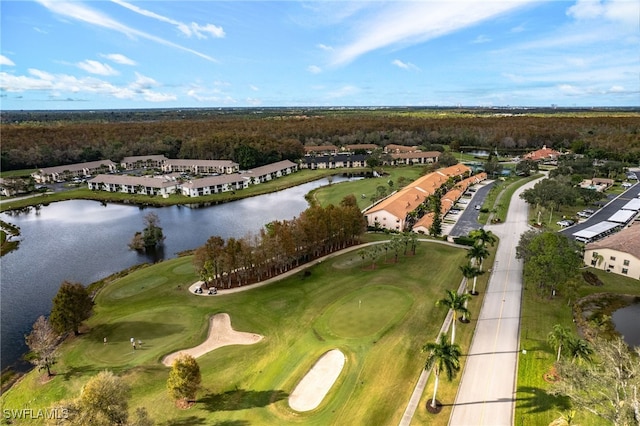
point(378, 318)
point(534, 406)
point(335, 193)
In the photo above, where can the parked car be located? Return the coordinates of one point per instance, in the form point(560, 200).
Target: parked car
point(584, 214)
point(565, 222)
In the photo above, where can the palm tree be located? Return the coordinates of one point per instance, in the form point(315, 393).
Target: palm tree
point(470, 271)
point(442, 356)
point(458, 304)
point(482, 236)
point(478, 254)
point(580, 350)
point(558, 337)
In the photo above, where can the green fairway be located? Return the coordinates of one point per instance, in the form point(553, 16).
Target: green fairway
point(379, 318)
point(366, 312)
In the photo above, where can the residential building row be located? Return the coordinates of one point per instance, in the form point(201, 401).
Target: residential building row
point(350, 160)
point(167, 165)
point(165, 185)
point(392, 212)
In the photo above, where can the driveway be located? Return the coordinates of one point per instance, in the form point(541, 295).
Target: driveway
point(486, 395)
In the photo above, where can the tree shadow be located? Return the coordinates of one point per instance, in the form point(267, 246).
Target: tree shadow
point(189, 421)
point(540, 401)
point(241, 399)
point(78, 371)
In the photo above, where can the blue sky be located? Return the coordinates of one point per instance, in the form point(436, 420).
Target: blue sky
point(178, 54)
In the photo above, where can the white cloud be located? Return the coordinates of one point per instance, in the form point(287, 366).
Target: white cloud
point(325, 47)
point(6, 61)
point(406, 23)
point(343, 91)
point(95, 67)
point(404, 65)
point(86, 14)
point(314, 69)
point(59, 85)
point(254, 88)
point(189, 30)
point(119, 59)
point(481, 39)
point(624, 11)
point(203, 94)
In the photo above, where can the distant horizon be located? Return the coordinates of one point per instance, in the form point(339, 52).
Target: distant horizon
point(337, 107)
point(132, 54)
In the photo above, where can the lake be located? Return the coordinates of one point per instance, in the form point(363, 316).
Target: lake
point(84, 241)
point(627, 323)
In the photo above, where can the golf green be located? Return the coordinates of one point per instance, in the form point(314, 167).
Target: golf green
point(366, 312)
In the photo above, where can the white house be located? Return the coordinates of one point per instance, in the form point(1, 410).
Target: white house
point(52, 174)
point(148, 185)
point(146, 161)
point(214, 185)
point(618, 253)
point(200, 167)
point(270, 171)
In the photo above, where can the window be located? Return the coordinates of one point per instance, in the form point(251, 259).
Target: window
point(625, 271)
point(625, 263)
point(612, 258)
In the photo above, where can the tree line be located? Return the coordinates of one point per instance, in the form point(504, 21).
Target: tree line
point(257, 140)
point(280, 245)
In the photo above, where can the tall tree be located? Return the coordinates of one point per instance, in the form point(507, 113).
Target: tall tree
point(71, 305)
point(470, 271)
point(151, 236)
point(558, 338)
point(478, 253)
point(608, 387)
point(184, 378)
point(42, 342)
point(442, 356)
point(104, 400)
point(436, 207)
point(551, 261)
point(456, 303)
point(483, 237)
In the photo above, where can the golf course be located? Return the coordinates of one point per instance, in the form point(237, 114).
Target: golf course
point(378, 315)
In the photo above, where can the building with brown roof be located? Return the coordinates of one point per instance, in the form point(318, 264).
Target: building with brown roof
point(200, 167)
point(543, 154)
point(397, 149)
point(391, 213)
point(413, 158)
point(140, 161)
point(58, 173)
point(321, 149)
point(368, 147)
point(618, 253)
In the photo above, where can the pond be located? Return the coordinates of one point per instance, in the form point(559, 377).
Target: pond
point(84, 241)
point(626, 321)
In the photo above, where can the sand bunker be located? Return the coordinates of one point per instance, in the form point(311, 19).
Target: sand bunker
point(316, 383)
point(220, 334)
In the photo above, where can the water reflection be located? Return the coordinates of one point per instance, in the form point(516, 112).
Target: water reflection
point(626, 321)
point(84, 241)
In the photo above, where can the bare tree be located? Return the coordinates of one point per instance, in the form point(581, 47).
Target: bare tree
point(42, 342)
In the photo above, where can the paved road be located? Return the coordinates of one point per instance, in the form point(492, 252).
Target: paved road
point(486, 395)
point(614, 203)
